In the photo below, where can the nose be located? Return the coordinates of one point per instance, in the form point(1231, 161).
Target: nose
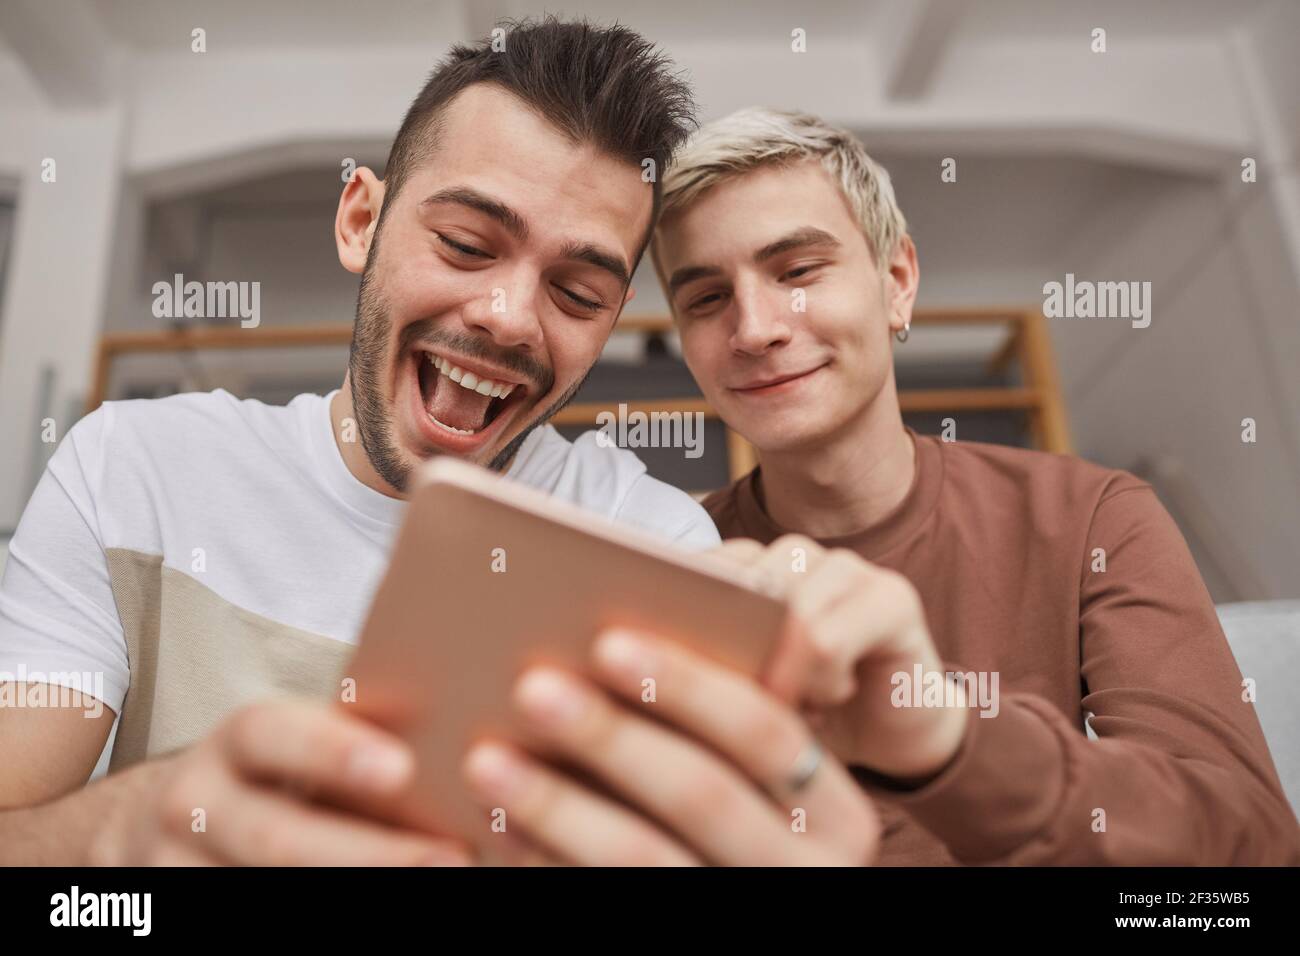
point(506, 309)
point(763, 318)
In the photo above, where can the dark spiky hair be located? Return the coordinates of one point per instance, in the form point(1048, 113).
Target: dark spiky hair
point(607, 86)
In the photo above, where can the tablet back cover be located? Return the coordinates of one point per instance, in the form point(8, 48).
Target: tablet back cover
point(486, 578)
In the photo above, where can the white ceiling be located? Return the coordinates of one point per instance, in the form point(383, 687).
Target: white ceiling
point(159, 24)
point(1013, 19)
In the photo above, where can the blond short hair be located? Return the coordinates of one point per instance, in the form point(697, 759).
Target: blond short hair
point(756, 137)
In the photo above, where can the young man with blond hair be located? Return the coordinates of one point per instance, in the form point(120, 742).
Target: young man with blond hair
point(964, 576)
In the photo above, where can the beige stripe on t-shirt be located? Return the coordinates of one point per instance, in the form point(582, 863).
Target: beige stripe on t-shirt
point(196, 657)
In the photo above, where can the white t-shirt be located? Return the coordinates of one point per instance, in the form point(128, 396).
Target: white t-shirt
point(200, 552)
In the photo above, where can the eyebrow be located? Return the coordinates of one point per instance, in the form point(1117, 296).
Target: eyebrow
point(690, 274)
point(480, 202)
point(600, 258)
point(807, 236)
point(581, 251)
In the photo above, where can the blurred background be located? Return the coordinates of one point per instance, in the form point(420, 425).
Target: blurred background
point(226, 165)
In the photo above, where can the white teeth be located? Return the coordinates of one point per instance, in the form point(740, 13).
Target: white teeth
point(484, 386)
point(453, 428)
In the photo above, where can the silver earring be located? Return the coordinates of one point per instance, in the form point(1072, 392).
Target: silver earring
point(902, 336)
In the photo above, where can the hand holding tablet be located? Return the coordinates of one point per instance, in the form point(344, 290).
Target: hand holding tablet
point(488, 578)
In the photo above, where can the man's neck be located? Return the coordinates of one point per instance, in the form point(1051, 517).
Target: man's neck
point(845, 484)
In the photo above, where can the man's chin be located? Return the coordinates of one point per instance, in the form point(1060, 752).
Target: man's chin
point(426, 453)
point(495, 454)
point(773, 438)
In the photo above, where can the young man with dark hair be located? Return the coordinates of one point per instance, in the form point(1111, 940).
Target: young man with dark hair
point(209, 560)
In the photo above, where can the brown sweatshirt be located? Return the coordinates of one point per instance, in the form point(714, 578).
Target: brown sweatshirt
point(1002, 544)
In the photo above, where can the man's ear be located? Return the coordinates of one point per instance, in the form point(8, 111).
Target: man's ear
point(901, 283)
point(631, 294)
point(357, 218)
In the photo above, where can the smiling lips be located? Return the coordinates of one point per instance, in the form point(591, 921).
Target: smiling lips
point(458, 400)
point(777, 383)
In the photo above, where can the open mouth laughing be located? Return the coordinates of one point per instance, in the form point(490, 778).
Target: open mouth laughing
point(461, 403)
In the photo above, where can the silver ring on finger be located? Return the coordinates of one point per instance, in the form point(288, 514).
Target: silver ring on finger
point(802, 770)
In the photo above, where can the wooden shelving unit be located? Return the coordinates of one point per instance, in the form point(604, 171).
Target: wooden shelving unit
point(1028, 344)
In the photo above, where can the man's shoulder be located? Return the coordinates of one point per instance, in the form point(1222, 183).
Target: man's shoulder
point(186, 411)
point(997, 481)
point(158, 472)
point(199, 423)
point(972, 467)
point(614, 482)
point(723, 508)
point(190, 439)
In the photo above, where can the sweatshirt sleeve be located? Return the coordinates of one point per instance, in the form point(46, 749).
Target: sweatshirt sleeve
point(1180, 773)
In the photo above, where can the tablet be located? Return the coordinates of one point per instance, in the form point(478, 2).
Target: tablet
point(488, 577)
